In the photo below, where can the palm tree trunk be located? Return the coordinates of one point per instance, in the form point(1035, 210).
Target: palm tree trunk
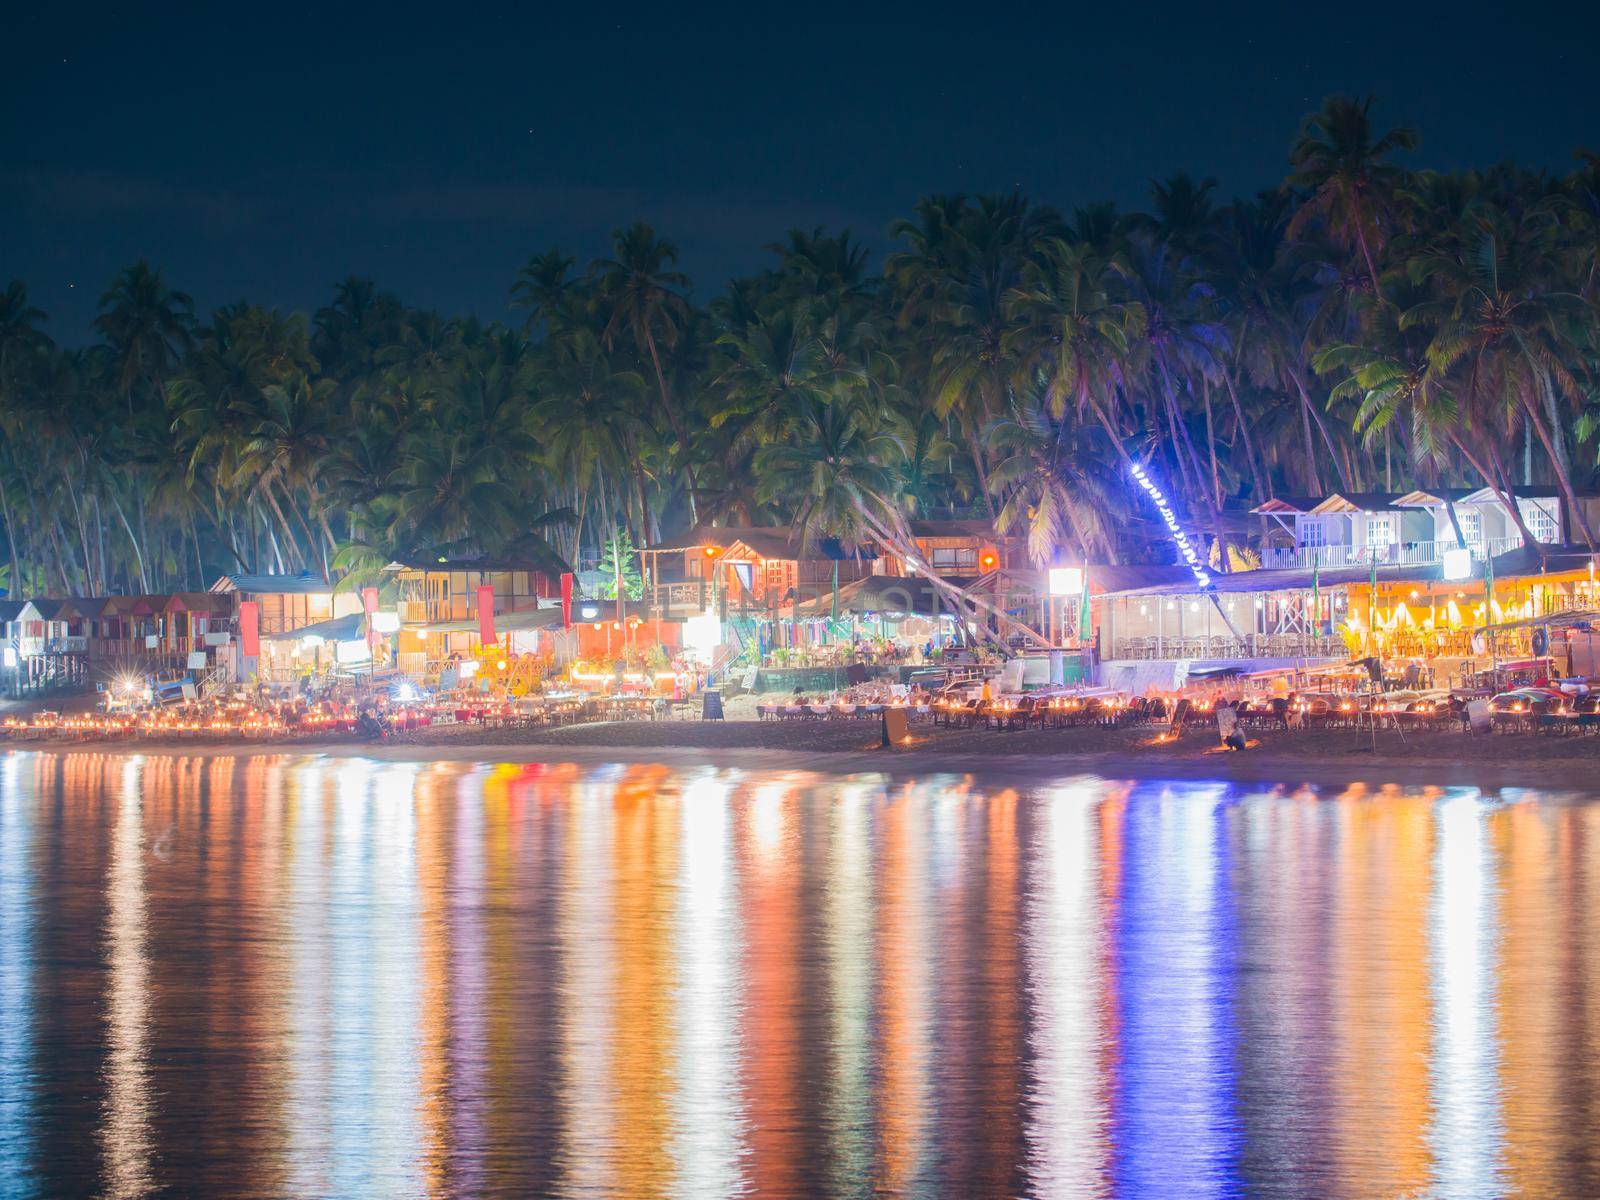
point(677, 426)
point(144, 579)
point(1327, 438)
point(1181, 426)
point(1256, 474)
point(1500, 481)
point(1563, 476)
point(980, 467)
point(14, 582)
point(1366, 253)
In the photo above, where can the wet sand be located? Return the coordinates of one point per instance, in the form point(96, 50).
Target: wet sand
point(1441, 758)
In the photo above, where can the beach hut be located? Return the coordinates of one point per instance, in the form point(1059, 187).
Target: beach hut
point(48, 654)
point(10, 657)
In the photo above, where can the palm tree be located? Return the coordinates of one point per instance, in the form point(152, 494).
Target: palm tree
point(546, 288)
point(1047, 473)
point(776, 369)
point(147, 325)
point(1503, 334)
point(20, 341)
point(645, 299)
point(1350, 186)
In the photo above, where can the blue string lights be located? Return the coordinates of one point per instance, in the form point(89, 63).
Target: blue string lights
point(1191, 556)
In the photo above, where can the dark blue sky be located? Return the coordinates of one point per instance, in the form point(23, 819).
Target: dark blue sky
point(266, 151)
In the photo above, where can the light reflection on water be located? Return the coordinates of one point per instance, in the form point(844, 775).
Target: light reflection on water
point(313, 977)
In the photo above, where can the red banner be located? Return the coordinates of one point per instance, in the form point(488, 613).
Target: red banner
point(250, 628)
point(566, 600)
point(369, 605)
point(486, 615)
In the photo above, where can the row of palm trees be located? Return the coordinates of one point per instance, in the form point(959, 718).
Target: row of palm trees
point(1362, 327)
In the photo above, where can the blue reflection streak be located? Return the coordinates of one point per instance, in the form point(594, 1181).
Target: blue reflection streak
point(1176, 1130)
point(16, 985)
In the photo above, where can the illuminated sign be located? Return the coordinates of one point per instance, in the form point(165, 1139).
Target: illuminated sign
point(703, 634)
point(1458, 563)
point(1066, 581)
point(1191, 556)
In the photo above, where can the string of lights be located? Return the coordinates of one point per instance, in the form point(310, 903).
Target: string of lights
point(1191, 556)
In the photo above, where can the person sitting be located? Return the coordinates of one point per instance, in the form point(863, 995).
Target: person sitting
point(1228, 725)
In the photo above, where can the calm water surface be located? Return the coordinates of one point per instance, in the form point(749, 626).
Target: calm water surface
point(326, 978)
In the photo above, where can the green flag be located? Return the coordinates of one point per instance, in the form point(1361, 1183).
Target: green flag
point(1083, 614)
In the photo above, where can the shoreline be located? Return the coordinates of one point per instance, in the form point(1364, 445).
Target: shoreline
point(1564, 765)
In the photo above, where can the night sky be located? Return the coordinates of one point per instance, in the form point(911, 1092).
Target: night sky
point(263, 152)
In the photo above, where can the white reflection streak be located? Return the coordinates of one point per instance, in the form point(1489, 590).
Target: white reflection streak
point(706, 1142)
point(310, 1012)
point(1067, 1116)
point(125, 1134)
point(1466, 1137)
point(16, 972)
point(849, 934)
point(394, 1049)
point(351, 1092)
point(588, 996)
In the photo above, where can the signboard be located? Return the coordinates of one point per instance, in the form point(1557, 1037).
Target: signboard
point(250, 629)
point(218, 639)
point(486, 614)
point(711, 705)
point(1066, 581)
point(1480, 714)
point(896, 729)
point(197, 660)
point(369, 606)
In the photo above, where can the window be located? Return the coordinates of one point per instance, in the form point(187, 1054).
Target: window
point(1471, 525)
point(1310, 531)
point(1541, 519)
point(953, 558)
point(1381, 531)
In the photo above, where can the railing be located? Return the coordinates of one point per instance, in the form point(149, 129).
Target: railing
point(1404, 554)
point(1255, 645)
point(692, 595)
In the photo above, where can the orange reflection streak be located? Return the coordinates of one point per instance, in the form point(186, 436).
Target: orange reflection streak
point(1582, 1004)
point(645, 855)
point(1380, 972)
point(772, 1058)
point(1523, 838)
point(902, 999)
point(506, 1009)
point(240, 995)
point(848, 923)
